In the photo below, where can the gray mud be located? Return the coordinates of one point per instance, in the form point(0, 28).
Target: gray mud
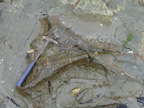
point(95, 64)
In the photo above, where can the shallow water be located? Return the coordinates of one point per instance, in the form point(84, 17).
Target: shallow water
point(80, 59)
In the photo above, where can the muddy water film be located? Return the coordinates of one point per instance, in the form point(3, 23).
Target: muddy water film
point(97, 63)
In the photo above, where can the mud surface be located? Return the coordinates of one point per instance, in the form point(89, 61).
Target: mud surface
point(97, 63)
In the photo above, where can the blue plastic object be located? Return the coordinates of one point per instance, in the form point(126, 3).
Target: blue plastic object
point(24, 76)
